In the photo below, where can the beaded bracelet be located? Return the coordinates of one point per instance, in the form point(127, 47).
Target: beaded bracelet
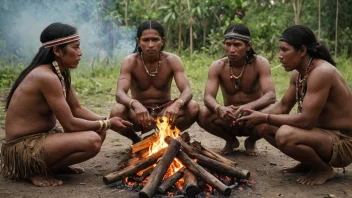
point(180, 102)
point(130, 103)
point(217, 107)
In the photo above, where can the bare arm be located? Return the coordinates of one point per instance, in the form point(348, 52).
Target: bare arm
point(181, 80)
point(52, 92)
point(266, 85)
point(78, 110)
point(124, 82)
point(287, 102)
point(313, 103)
point(211, 90)
point(212, 87)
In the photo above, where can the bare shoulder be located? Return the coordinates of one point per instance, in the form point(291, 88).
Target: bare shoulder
point(219, 64)
point(171, 58)
point(261, 62)
point(43, 73)
point(131, 59)
point(294, 77)
point(323, 69)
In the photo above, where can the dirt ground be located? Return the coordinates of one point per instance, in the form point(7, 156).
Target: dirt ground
point(265, 170)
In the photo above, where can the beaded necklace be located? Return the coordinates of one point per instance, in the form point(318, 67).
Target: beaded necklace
point(237, 78)
point(61, 78)
point(301, 85)
point(154, 73)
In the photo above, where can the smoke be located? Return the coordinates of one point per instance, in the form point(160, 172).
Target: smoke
point(102, 36)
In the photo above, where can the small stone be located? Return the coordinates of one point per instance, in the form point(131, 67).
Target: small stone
point(272, 163)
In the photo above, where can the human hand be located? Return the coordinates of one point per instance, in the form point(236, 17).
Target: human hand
point(253, 118)
point(239, 112)
point(171, 112)
point(142, 115)
point(118, 124)
point(226, 113)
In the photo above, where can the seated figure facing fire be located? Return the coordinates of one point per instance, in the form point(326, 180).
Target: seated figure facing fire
point(148, 73)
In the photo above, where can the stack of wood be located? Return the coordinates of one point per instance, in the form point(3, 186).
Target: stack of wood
point(187, 153)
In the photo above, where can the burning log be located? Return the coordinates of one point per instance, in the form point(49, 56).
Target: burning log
point(144, 175)
point(190, 184)
point(211, 163)
point(186, 137)
point(160, 169)
point(197, 170)
point(167, 183)
point(144, 143)
point(222, 168)
point(125, 163)
point(130, 170)
point(211, 154)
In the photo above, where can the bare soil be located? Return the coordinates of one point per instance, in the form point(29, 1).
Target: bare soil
point(265, 170)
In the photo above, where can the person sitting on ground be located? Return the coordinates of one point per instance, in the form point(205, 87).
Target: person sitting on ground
point(319, 135)
point(246, 83)
point(149, 72)
point(34, 148)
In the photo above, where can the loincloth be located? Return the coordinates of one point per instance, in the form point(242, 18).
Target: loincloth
point(155, 109)
point(341, 150)
point(24, 157)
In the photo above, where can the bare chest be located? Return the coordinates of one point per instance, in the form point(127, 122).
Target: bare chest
point(248, 82)
point(143, 79)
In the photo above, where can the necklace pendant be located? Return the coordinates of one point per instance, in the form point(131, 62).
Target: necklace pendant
point(152, 74)
point(237, 84)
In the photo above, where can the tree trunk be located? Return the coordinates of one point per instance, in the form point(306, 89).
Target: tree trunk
point(179, 38)
point(319, 17)
point(126, 12)
point(297, 5)
point(336, 25)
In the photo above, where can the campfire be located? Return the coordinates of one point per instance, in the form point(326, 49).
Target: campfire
point(167, 163)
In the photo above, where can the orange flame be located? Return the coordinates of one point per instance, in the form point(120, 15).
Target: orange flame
point(165, 130)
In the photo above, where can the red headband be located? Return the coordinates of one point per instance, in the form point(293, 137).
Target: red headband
point(59, 41)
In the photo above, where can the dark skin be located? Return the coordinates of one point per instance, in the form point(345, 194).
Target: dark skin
point(324, 106)
point(256, 91)
point(45, 103)
point(148, 90)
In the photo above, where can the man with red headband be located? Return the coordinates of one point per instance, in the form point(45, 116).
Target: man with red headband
point(34, 148)
point(245, 81)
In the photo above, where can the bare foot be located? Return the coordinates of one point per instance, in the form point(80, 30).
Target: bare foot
point(70, 170)
point(299, 168)
point(317, 177)
point(229, 146)
point(251, 148)
point(45, 181)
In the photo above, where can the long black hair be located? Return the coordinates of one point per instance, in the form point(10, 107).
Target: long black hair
point(46, 55)
point(242, 29)
point(299, 35)
point(151, 24)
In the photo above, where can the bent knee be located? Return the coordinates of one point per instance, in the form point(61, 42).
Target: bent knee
point(93, 143)
point(263, 130)
point(285, 135)
point(193, 108)
point(204, 117)
point(119, 110)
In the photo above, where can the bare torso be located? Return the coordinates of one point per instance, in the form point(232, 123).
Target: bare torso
point(249, 83)
point(28, 112)
point(151, 90)
point(337, 111)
